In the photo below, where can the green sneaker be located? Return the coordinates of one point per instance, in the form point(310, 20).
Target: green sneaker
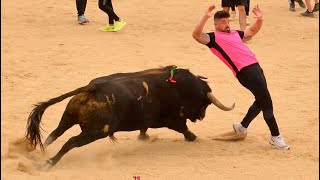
point(119, 25)
point(107, 28)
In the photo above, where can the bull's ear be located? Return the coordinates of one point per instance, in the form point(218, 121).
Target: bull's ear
point(201, 77)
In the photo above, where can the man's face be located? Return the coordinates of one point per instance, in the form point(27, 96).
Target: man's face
point(222, 25)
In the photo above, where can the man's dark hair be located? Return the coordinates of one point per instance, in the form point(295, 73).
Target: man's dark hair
point(221, 14)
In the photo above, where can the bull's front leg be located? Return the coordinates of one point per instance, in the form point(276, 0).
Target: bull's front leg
point(182, 127)
point(189, 136)
point(143, 135)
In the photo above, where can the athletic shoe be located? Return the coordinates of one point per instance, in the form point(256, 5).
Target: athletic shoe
point(82, 19)
point(301, 3)
point(107, 28)
point(292, 7)
point(239, 129)
point(307, 14)
point(278, 142)
point(316, 8)
point(119, 25)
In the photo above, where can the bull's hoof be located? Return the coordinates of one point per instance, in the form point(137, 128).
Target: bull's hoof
point(189, 136)
point(143, 137)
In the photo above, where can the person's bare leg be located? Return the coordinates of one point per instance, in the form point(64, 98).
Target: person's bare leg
point(242, 17)
point(308, 3)
point(227, 9)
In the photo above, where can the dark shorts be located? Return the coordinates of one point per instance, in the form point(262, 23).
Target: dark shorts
point(230, 3)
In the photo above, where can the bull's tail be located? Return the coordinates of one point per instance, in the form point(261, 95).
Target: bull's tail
point(33, 134)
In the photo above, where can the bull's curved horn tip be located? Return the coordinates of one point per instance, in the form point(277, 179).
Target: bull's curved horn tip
point(232, 107)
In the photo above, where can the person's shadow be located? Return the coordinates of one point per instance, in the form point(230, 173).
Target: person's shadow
point(229, 136)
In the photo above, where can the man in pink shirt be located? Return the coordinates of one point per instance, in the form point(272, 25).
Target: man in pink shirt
point(229, 47)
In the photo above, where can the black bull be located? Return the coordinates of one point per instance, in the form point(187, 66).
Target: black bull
point(127, 102)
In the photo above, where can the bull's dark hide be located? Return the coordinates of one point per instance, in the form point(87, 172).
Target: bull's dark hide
point(154, 98)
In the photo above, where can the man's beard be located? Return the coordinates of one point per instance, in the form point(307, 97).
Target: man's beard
point(227, 30)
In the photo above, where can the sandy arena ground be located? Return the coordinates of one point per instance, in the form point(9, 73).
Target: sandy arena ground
point(45, 53)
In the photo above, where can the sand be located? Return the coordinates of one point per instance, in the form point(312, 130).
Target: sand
point(45, 53)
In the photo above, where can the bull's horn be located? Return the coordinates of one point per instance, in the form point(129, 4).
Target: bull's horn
point(216, 102)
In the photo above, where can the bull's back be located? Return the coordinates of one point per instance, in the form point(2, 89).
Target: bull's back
point(128, 76)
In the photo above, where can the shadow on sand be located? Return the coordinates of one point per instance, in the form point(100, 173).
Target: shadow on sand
point(229, 136)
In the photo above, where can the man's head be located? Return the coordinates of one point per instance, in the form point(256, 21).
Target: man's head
point(221, 21)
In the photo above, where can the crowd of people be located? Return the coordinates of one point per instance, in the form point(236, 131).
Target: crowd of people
point(115, 23)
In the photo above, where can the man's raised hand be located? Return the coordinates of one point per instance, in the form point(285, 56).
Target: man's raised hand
point(256, 11)
point(208, 12)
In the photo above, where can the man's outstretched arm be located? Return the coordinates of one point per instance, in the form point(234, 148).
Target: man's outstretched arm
point(197, 33)
point(250, 32)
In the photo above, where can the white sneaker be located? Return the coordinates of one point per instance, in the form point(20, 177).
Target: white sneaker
point(239, 129)
point(278, 142)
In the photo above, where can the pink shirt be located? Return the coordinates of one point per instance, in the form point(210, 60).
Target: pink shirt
point(230, 48)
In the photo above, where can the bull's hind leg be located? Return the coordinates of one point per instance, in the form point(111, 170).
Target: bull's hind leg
point(76, 141)
point(143, 135)
point(66, 123)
